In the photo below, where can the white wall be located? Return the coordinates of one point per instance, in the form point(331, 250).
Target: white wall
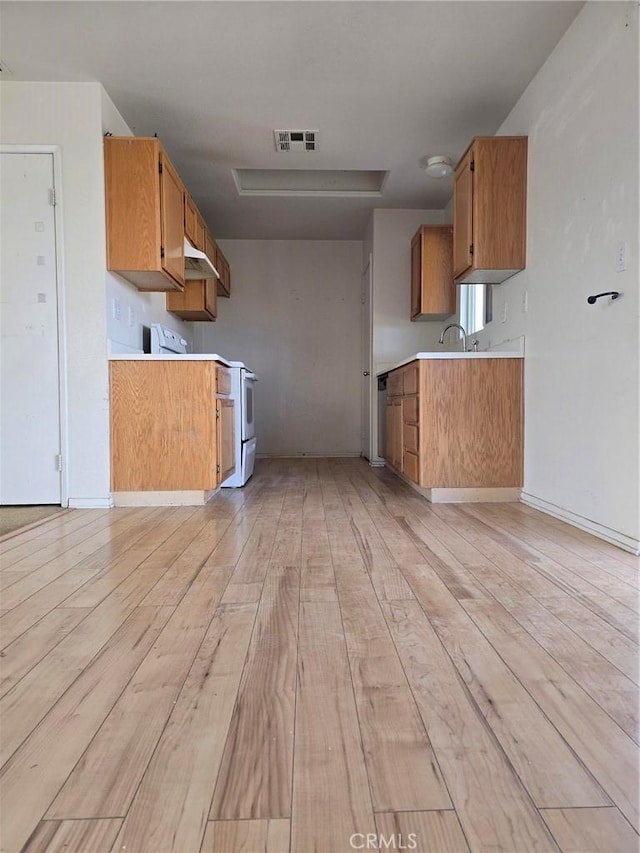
point(69, 115)
point(137, 308)
point(582, 457)
point(394, 335)
point(74, 117)
point(294, 318)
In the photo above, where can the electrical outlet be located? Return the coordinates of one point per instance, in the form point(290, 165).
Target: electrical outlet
point(621, 257)
point(116, 309)
point(525, 302)
point(504, 313)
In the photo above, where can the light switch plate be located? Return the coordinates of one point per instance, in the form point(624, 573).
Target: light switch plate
point(621, 256)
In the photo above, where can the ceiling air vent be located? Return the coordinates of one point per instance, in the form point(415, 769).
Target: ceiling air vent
point(296, 140)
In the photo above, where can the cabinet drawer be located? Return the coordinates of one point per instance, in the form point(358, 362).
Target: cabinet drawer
point(394, 383)
point(223, 380)
point(410, 438)
point(411, 466)
point(410, 410)
point(410, 377)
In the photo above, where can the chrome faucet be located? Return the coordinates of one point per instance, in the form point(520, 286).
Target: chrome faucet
point(454, 326)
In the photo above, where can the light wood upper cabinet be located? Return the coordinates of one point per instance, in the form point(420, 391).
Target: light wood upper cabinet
point(432, 287)
point(462, 216)
point(198, 301)
point(201, 230)
point(490, 210)
point(224, 283)
point(211, 249)
point(191, 220)
point(144, 214)
point(172, 218)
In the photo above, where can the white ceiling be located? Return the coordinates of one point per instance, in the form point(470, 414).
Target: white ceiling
point(385, 83)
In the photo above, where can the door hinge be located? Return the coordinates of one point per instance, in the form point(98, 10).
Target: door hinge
point(217, 414)
point(472, 166)
point(58, 461)
point(52, 197)
point(217, 469)
point(471, 249)
point(160, 167)
point(161, 252)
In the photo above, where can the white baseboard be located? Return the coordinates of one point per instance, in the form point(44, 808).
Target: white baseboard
point(185, 497)
point(332, 455)
point(90, 503)
point(614, 537)
point(497, 494)
point(502, 494)
point(377, 462)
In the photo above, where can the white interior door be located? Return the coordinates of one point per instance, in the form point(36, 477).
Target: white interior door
point(29, 355)
point(367, 379)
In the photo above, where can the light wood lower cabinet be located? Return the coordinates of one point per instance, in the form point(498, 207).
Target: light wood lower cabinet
point(166, 435)
point(457, 423)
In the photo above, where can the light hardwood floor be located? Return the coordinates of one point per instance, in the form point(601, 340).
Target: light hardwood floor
point(321, 661)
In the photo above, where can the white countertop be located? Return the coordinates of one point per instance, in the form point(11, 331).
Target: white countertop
point(190, 356)
point(449, 355)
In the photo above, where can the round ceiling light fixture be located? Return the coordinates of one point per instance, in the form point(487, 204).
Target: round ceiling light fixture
point(437, 166)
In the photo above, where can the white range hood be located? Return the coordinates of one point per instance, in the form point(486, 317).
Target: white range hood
point(196, 264)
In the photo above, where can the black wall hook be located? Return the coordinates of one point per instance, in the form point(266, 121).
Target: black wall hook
point(614, 294)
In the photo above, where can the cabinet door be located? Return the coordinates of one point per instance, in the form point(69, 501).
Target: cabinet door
point(172, 219)
point(224, 285)
point(197, 301)
point(132, 209)
point(226, 439)
point(201, 229)
point(227, 276)
point(394, 434)
point(211, 250)
point(389, 437)
point(416, 275)
point(432, 288)
point(463, 216)
point(210, 297)
point(411, 466)
point(190, 219)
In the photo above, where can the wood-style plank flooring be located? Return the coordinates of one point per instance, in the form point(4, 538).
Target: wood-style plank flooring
point(321, 661)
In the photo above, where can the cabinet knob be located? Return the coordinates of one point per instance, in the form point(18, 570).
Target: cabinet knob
point(366, 373)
